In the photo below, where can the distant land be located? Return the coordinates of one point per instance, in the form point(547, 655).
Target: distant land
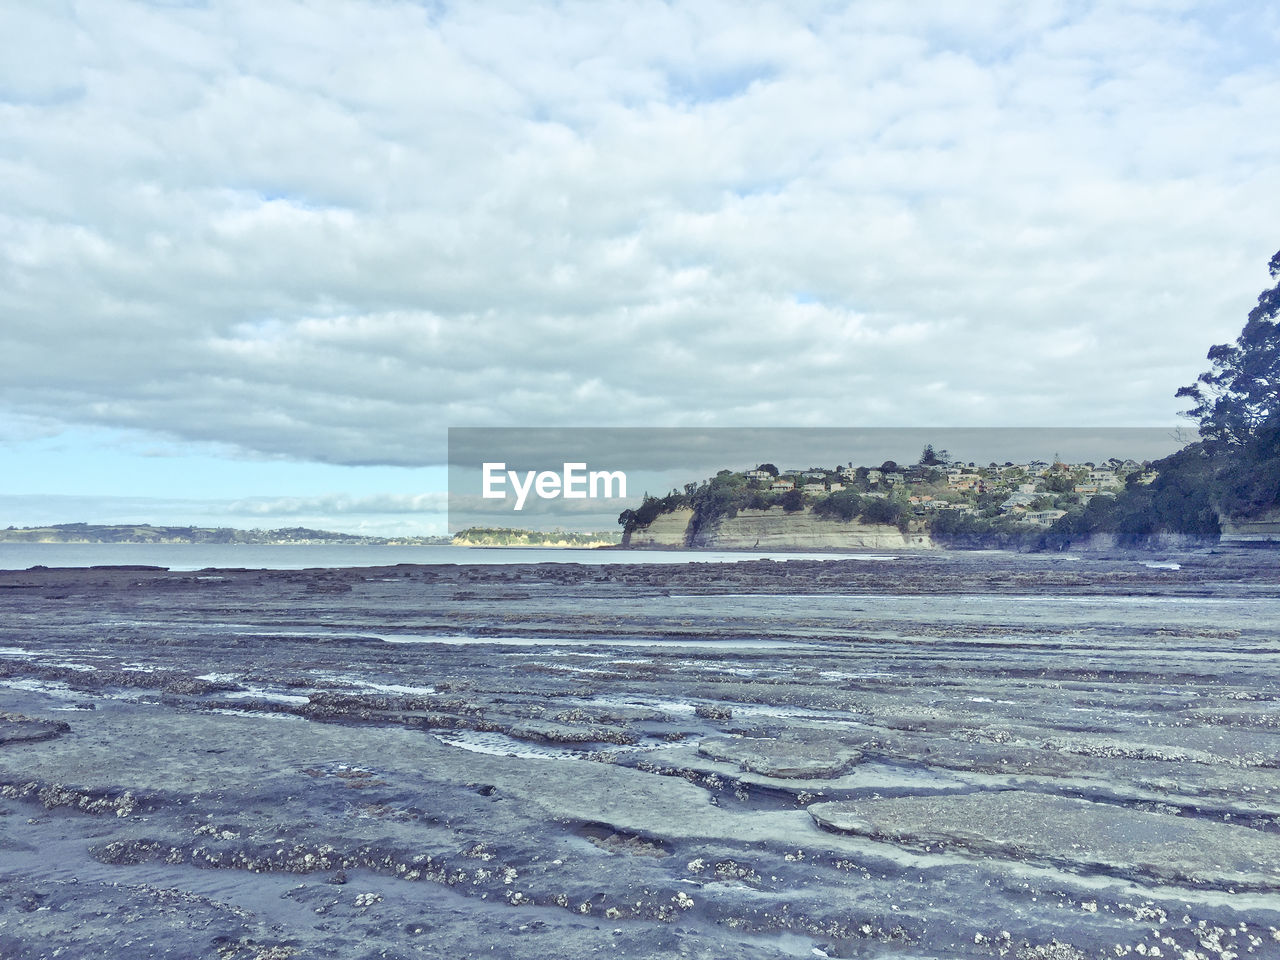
point(936, 501)
point(146, 533)
point(505, 537)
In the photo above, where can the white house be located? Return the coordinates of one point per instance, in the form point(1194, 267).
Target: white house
point(1044, 518)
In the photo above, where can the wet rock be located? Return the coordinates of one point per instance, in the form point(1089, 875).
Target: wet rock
point(1021, 825)
point(193, 686)
point(713, 711)
point(87, 801)
point(621, 842)
point(784, 759)
point(1051, 951)
point(475, 844)
point(544, 732)
point(16, 728)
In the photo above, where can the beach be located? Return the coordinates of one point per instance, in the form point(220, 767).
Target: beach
point(942, 755)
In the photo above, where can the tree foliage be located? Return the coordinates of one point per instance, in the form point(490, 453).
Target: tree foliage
point(931, 458)
point(792, 501)
point(1237, 403)
point(649, 510)
point(1240, 392)
point(1180, 501)
point(879, 510)
point(840, 505)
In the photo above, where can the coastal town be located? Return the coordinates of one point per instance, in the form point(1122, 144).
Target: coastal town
point(1036, 492)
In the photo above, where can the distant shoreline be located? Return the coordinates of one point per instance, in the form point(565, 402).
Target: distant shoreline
point(145, 533)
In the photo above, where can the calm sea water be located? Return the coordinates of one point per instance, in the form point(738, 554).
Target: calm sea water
point(197, 556)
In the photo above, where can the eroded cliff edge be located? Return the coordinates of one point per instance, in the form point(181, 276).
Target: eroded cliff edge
point(1264, 528)
point(773, 529)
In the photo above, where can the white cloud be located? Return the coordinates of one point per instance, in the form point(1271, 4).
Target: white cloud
point(329, 231)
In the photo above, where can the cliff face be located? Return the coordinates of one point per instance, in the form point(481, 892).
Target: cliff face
point(1264, 528)
point(667, 530)
point(775, 529)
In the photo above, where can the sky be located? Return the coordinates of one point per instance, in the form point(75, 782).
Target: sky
point(255, 259)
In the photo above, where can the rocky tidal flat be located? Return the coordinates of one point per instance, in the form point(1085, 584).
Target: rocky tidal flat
point(927, 756)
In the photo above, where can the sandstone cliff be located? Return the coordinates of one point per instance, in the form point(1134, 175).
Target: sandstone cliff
point(667, 530)
point(775, 529)
point(1264, 528)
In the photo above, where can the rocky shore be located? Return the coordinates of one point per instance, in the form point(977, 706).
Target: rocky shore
point(927, 756)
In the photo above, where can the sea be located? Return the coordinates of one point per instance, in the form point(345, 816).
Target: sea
point(262, 556)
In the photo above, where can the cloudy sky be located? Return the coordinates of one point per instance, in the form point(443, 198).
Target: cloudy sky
point(255, 258)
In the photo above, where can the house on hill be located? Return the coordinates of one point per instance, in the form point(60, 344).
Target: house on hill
point(1043, 518)
point(1017, 502)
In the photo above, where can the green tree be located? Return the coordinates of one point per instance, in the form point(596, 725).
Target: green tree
point(842, 505)
point(1237, 404)
point(881, 511)
point(1240, 392)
